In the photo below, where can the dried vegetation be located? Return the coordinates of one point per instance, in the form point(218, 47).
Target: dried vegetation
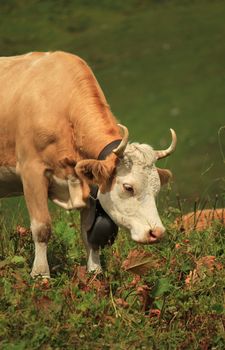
point(166, 296)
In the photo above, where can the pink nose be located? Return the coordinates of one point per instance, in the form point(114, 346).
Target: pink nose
point(156, 234)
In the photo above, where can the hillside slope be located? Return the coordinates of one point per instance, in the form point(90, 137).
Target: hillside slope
point(160, 63)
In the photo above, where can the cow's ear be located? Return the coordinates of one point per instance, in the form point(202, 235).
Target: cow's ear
point(99, 172)
point(165, 176)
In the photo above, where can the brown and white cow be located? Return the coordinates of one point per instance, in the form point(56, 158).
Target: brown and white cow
point(54, 123)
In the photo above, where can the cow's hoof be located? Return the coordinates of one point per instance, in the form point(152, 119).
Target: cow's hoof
point(43, 275)
point(95, 269)
point(40, 276)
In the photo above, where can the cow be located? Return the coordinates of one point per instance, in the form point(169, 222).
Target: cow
point(55, 123)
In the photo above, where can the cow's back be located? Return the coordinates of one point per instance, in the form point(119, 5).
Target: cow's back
point(35, 92)
point(47, 101)
point(35, 79)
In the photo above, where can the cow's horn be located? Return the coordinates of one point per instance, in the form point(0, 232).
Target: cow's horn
point(123, 144)
point(170, 149)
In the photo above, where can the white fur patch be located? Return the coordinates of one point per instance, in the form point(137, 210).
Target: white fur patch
point(67, 194)
point(136, 211)
point(139, 154)
point(93, 263)
point(40, 264)
point(36, 227)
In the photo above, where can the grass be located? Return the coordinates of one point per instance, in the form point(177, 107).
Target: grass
point(160, 63)
point(177, 304)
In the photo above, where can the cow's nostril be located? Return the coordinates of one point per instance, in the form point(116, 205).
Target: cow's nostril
point(156, 234)
point(152, 235)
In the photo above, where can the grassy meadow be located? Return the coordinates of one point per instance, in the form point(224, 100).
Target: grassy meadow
point(171, 297)
point(161, 65)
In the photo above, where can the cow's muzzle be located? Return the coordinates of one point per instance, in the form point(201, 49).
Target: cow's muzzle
point(154, 235)
point(150, 236)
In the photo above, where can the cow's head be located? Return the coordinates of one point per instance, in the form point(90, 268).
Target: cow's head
point(128, 185)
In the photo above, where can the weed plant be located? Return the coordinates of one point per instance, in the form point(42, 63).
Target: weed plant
point(178, 303)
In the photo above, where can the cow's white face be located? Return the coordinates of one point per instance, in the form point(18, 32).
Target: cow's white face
point(131, 201)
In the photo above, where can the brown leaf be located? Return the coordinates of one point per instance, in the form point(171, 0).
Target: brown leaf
point(44, 303)
point(154, 313)
point(87, 282)
point(121, 302)
point(192, 278)
point(22, 231)
point(207, 262)
point(144, 297)
point(136, 280)
point(82, 275)
point(20, 282)
point(140, 262)
point(204, 267)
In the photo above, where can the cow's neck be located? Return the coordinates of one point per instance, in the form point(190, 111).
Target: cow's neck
point(92, 138)
point(93, 122)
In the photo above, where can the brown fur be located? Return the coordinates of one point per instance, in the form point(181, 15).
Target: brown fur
point(53, 105)
point(45, 233)
point(53, 114)
point(92, 171)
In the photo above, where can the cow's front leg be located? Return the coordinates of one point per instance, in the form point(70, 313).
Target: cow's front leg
point(41, 233)
point(93, 261)
point(93, 256)
point(35, 186)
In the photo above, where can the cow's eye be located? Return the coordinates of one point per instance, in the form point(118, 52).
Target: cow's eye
point(128, 188)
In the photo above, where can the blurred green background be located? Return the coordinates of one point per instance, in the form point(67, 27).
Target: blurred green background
point(161, 64)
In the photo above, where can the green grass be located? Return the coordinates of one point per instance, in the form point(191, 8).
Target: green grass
point(160, 63)
point(158, 310)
